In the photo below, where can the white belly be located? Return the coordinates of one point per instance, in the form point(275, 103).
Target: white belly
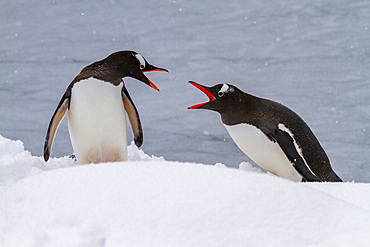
point(262, 151)
point(97, 122)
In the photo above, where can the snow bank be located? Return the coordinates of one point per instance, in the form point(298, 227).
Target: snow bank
point(148, 201)
point(17, 163)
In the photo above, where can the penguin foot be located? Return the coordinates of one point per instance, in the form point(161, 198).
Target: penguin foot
point(72, 156)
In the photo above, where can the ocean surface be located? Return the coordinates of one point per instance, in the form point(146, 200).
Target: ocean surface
point(312, 56)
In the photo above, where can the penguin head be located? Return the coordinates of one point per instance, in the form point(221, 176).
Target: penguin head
point(221, 97)
point(129, 63)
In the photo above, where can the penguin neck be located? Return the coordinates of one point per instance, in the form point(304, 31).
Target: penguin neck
point(99, 71)
point(240, 111)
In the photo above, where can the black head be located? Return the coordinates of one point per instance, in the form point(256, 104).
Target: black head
point(125, 63)
point(222, 97)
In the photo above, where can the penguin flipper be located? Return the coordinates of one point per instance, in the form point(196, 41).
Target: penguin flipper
point(55, 122)
point(133, 117)
point(286, 144)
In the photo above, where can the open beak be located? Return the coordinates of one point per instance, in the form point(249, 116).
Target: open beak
point(150, 68)
point(205, 90)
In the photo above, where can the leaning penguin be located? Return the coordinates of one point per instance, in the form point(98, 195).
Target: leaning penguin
point(97, 101)
point(272, 135)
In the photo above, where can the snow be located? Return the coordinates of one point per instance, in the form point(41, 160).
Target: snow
point(148, 201)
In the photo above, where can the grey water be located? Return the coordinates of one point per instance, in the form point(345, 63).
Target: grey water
point(312, 56)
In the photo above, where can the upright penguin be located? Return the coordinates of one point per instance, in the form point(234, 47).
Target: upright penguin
point(97, 100)
point(272, 135)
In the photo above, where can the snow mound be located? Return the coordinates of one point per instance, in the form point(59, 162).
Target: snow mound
point(16, 163)
point(136, 154)
point(148, 201)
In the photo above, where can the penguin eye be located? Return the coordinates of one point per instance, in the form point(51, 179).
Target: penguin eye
point(140, 59)
point(223, 89)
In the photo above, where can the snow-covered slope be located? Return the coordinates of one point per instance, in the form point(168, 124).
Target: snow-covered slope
point(148, 201)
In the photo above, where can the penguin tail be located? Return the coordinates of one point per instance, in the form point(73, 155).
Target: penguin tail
point(335, 178)
point(331, 177)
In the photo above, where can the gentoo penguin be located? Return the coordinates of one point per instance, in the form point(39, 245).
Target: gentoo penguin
point(97, 100)
point(272, 135)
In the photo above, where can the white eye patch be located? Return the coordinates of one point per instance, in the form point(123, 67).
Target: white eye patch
point(224, 88)
point(141, 60)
